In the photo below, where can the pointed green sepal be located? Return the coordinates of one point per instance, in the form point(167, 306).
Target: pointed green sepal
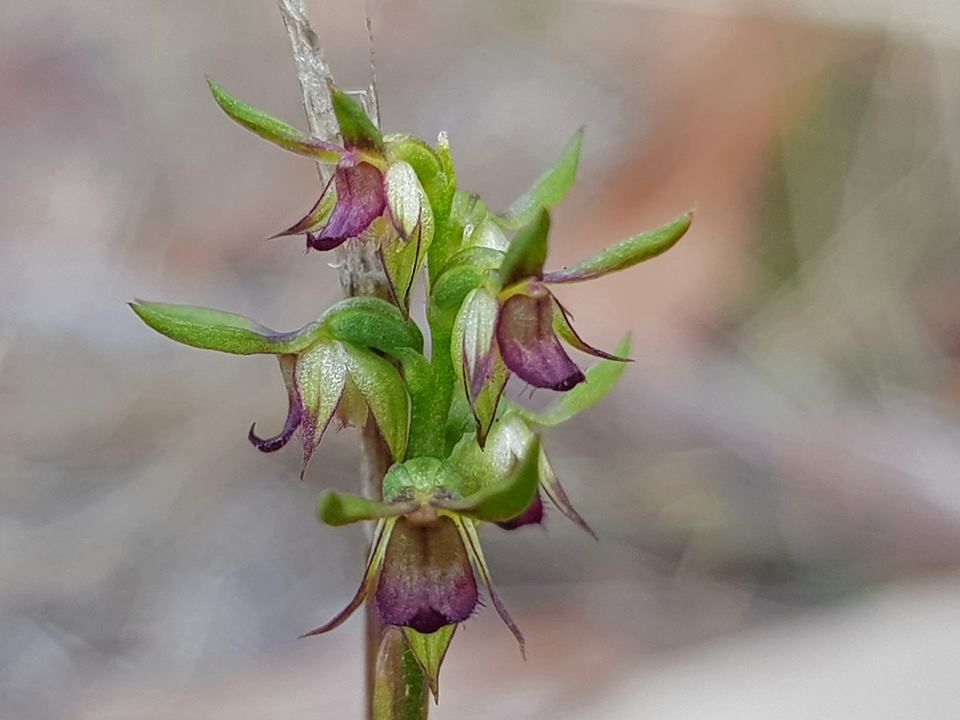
point(507, 498)
point(626, 253)
point(338, 509)
point(430, 651)
point(471, 541)
point(210, 329)
point(378, 548)
point(320, 380)
point(600, 381)
point(372, 322)
point(429, 167)
point(405, 244)
point(407, 201)
point(549, 189)
point(356, 129)
point(272, 129)
point(386, 396)
point(476, 359)
point(527, 251)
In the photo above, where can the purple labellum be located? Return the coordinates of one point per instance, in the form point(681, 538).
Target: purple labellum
point(533, 515)
point(288, 364)
point(360, 201)
point(529, 345)
point(426, 580)
point(276, 442)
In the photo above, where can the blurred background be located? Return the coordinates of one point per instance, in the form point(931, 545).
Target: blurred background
point(775, 484)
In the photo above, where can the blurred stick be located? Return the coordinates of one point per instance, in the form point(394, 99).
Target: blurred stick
point(395, 686)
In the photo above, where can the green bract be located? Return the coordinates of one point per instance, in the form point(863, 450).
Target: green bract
point(209, 329)
point(356, 129)
point(626, 253)
point(459, 453)
point(273, 130)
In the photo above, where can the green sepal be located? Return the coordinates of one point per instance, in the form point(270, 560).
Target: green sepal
point(473, 350)
point(506, 498)
point(508, 440)
point(548, 190)
point(320, 379)
point(482, 467)
point(430, 651)
point(486, 405)
point(274, 130)
point(625, 253)
point(338, 509)
point(407, 201)
point(403, 254)
point(383, 389)
point(429, 167)
point(210, 329)
point(600, 380)
point(374, 323)
point(356, 129)
point(527, 251)
point(474, 331)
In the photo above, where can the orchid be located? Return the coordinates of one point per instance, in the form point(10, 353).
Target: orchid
point(461, 452)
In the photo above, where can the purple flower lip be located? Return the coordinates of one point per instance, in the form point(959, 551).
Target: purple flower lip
point(529, 345)
point(360, 201)
point(271, 444)
point(426, 581)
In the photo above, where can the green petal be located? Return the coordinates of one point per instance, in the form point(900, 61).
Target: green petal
point(356, 129)
point(320, 378)
point(402, 258)
point(372, 322)
point(272, 129)
point(600, 380)
point(383, 389)
point(549, 189)
point(210, 329)
point(626, 253)
point(339, 509)
point(430, 651)
point(407, 200)
point(507, 498)
point(527, 251)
